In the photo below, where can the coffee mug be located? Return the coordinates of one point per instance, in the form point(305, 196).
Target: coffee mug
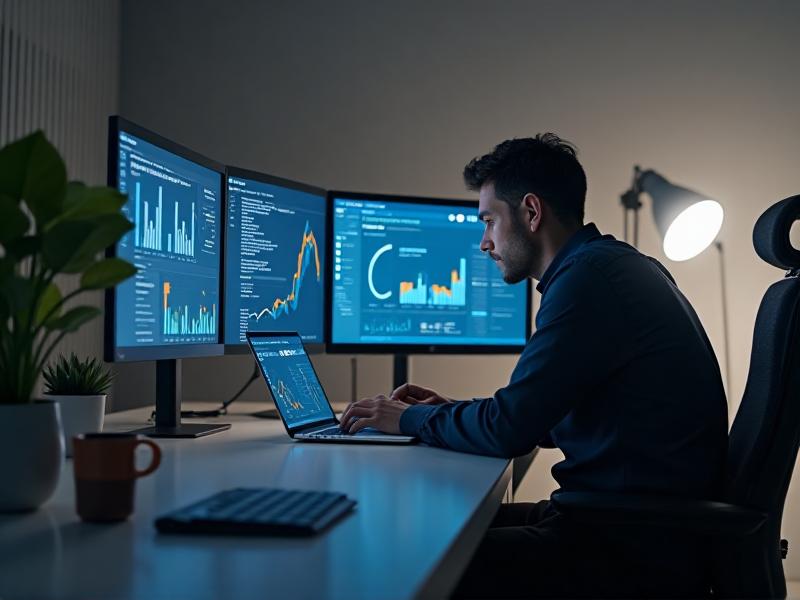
point(105, 474)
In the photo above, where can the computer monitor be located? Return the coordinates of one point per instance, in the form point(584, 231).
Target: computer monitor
point(275, 259)
point(171, 308)
point(408, 276)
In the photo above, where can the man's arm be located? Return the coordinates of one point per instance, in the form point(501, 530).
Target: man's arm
point(576, 348)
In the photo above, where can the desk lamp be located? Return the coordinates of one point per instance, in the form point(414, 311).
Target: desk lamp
point(688, 223)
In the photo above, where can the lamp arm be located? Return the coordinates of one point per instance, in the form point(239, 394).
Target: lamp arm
point(631, 203)
point(725, 332)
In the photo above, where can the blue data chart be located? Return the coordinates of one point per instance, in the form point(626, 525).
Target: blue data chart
point(414, 273)
point(174, 204)
point(274, 269)
point(292, 380)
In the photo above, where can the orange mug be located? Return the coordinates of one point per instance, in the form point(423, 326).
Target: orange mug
point(105, 474)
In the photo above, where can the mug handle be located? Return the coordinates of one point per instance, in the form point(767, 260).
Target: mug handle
point(156, 460)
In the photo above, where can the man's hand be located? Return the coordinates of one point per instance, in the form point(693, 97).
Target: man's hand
point(416, 394)
point(379, 412)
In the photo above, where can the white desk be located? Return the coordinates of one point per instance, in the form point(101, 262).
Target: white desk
point(421, 513)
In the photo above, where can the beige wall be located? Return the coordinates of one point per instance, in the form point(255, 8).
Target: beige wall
point(397, 96)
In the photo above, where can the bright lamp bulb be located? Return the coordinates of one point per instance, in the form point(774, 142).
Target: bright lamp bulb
point(693, 230)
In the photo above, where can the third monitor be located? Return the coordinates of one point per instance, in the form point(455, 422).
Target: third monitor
point(407, 275)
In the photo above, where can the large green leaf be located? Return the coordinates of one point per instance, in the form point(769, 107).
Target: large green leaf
point(31, 169)
point(82, 201)
point(14, 160)
point(6, 271)
point(13, 222)
point(49, 299)
point(107, 231)
point(107, 273)
point(6, 267)
point(24, 246)
point(73, 319)
point(18, 293)
point(64, 241)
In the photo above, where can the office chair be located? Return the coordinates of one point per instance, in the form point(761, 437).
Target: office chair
point(744, 528)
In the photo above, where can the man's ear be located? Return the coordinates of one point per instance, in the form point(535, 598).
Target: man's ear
point(532, 204)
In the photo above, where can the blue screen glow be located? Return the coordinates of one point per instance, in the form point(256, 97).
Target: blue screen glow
point(175, 205)
point(413, 273)
point(274, 270)
point(295, 388)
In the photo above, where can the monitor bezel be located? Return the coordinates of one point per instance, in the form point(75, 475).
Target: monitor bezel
point(241, 348)
point(117, 124)
point(400, 348)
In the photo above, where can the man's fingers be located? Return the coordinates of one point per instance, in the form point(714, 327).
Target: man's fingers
point(363, 402)
point(355, 412)
point(401, 392)
point(362, 423)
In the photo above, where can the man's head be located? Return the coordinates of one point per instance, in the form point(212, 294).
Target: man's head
point(532, 192)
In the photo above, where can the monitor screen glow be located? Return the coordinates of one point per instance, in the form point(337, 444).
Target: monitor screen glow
point(275, 258)
point(175, 203)
point(410, 273)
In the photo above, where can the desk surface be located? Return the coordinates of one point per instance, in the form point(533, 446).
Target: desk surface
point(421, 512)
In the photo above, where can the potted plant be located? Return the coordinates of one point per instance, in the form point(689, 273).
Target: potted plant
point(79, 387)
point(48, 227)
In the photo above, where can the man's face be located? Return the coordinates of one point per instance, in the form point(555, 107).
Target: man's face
point(506, 237)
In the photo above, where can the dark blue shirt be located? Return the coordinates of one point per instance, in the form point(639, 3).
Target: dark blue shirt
point(619, 375)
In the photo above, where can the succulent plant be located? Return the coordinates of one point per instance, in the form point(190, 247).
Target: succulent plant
point(74, 377)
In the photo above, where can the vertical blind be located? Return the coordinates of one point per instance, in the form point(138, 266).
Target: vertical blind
point(59, 72)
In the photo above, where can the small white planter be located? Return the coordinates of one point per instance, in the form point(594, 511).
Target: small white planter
point(80, 414)
point(31, 454)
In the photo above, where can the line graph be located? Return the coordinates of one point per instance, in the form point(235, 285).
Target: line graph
point(286, 396)
point(306, 257)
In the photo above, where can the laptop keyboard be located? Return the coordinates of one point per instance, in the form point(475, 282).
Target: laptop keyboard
point(259, 511)
point(336, 431)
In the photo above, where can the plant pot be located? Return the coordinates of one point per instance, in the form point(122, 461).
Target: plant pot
point(79, 414)
point(31, 454)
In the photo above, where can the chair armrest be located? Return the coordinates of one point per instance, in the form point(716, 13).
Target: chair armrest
point(697, 516)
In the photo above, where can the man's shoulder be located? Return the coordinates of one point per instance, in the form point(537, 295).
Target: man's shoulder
point(599, 254)
point(612, 261)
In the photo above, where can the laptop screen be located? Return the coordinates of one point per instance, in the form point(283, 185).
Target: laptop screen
point(291, 378)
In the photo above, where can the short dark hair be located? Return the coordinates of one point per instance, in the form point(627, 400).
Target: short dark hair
point(544, 165)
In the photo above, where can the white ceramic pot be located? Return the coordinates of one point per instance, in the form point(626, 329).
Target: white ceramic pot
point(31, 454)
point(80, 414)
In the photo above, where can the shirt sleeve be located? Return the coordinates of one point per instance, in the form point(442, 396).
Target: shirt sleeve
point(575, 348)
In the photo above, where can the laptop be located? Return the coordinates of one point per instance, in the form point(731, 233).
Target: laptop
point(298, 394)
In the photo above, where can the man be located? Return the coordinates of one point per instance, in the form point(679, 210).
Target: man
point(619, 375)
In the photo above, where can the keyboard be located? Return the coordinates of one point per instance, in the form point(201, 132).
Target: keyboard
point(336, 431)
point(259, 511)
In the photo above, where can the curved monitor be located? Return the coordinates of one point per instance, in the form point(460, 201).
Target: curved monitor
point(408, 276)
point(171, 308)
point(275, 259)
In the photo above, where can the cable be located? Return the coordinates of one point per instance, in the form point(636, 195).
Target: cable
point(223, 410)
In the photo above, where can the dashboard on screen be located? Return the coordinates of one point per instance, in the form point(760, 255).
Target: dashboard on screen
point(170, 308)
point(275, 258)
point(409, 272)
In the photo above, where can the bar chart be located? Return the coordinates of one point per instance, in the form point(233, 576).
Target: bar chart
point(200, 319)
point(453, 294)
point(149, 225)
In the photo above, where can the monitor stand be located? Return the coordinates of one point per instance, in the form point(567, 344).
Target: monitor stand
point(168, 407)
point(400, 370)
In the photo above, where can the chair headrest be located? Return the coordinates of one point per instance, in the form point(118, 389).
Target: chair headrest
point(771, 234)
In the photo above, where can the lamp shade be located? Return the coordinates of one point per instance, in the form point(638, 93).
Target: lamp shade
point(687, 221)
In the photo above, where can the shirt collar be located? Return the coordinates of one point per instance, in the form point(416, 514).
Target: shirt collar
point(580, 237)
